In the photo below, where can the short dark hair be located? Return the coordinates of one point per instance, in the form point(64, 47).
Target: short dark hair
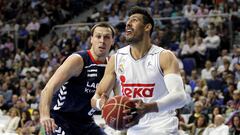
point(103, 24)
point(147, 18)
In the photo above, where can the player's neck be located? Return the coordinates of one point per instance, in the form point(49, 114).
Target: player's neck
point(98, 59)
point(140, 49)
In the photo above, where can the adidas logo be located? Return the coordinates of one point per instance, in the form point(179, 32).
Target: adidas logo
point(59, 131)
point(61, 98)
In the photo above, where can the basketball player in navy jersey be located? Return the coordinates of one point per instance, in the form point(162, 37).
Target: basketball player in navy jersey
point(65, 101)
point(149, 75)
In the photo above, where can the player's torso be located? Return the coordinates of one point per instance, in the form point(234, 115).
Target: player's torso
point(141, 78)
point(75, 94)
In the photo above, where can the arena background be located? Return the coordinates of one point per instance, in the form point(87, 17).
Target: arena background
point(36, 35)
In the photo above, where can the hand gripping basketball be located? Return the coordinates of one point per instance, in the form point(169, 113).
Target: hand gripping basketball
point(113, 114)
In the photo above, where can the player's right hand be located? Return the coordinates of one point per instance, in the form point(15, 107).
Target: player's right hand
point(48, 124)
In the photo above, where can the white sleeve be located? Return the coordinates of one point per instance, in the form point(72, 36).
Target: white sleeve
point(176, 97)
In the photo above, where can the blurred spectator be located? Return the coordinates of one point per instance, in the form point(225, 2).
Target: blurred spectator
point(225, 67)
point(107, 6)
point(218, 127)
point(235, 127)
point(189, 13)
point(188, 49)
point(215, 19)
point(9, 44)
point(33, 126)
point(21, 105)
point(198, 111)
point(235, 102)
point(198, 127)
point(33, 27)
point(113, 18)
point(6, 92)
point(206, 73)
point(3, 105)
point(228, 92)
point(12, 124)
point(235, 64)
point(63, 41)
point(168, 9)
point(213, 100)
point(201, 85)
point(193, 79)
point(215, 83)
point(13, 101)
point(224, 55)
point(212, 41)
point(22, 36)
point(25, 117)
point(200, 51)
point(214, 112)
point(202, 10)
point(44, 22)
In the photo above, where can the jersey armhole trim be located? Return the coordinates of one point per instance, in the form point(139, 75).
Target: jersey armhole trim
point(158, 63)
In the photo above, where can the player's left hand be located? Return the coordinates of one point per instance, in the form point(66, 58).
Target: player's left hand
point(135, 114)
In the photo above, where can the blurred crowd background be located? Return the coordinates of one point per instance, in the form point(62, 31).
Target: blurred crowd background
point(203, 34)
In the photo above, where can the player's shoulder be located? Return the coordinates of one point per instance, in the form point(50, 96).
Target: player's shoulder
point(167, 58)
point(75, 55)
point(156, 49)
point(124, 50)
point(82, 53)
point(167, 53)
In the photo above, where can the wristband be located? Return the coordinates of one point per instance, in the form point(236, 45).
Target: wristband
point(98, 104)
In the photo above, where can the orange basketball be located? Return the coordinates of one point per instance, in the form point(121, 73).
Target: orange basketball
point(113, 111)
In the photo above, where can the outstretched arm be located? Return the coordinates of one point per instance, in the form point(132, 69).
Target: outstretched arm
point(105, 86)
point(72, 66)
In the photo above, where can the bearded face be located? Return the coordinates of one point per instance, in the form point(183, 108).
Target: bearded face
point(134, 29)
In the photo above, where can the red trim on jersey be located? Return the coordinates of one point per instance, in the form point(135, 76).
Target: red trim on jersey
point(92, 58)
point(137, 85)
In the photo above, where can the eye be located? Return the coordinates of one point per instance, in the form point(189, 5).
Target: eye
point(134, 20)
point(98, 36)
point(106, 37)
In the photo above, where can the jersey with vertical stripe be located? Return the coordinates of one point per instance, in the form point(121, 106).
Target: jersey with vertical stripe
point(75, 95)
point(144, 79)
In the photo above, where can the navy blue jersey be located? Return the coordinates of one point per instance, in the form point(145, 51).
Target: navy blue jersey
point(73, 99)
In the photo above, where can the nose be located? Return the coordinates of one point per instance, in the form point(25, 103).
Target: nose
point(128, 23)
point(102, 39)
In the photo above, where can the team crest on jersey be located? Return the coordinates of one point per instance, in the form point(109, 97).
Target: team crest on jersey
point(121, 69)
point(121, 66)
point(136, 90)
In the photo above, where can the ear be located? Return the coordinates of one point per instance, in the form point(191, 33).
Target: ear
point(113, 40)
point(91, 38)
point(148, 27)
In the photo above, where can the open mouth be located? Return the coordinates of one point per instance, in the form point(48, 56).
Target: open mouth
point(128, 31)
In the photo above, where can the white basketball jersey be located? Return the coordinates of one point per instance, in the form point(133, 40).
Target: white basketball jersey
point(143, 79)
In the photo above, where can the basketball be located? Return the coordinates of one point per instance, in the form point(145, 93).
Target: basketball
point(113, 111)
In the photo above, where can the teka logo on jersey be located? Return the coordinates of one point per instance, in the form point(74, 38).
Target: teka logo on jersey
point(136, 89)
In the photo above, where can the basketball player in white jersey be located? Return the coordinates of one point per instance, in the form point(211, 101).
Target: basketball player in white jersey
point(149, 75)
